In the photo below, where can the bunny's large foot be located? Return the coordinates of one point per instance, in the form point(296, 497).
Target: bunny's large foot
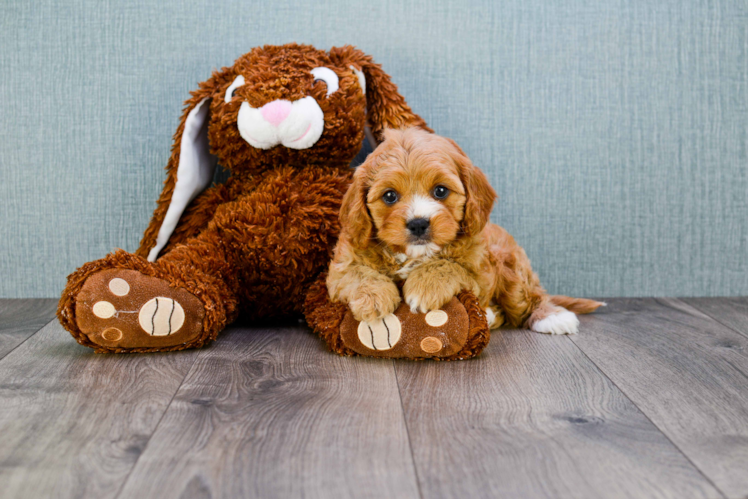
point(438, 334)
point(119, 308)
point(459, 330)
point(122, 303)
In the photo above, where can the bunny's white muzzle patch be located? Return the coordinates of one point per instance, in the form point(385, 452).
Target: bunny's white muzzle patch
point(296, 125)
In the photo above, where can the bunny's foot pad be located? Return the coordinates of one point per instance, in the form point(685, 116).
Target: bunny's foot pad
point(458, 330)
point(124, 309)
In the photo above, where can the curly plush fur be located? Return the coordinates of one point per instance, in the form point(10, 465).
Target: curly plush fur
point(256, 243)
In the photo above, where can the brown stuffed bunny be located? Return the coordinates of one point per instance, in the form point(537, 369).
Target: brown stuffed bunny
point(286, 121)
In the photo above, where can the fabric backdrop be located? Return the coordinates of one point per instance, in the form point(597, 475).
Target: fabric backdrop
point(614, 132)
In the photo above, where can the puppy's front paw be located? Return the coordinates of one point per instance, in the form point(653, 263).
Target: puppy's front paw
point(374, 300)
point(423, 295)
point(559, 323)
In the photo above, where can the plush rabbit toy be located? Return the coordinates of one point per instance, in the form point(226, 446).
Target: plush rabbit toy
point(286, 121)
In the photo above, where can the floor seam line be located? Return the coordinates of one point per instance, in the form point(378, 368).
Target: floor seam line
point(407, 430)
point(158, 424)
point(27, 338)
point(711, 317)
point(703, 474)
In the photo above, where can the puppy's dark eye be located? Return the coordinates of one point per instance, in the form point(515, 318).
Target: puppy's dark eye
point(233, 92)
point(317, 80)
point(440, 192)
point(390, 197)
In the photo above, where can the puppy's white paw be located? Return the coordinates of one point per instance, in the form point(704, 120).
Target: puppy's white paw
point(374, 301)
point(416, 304)
point(560, 323)
point(490, 316)
point(423, 293)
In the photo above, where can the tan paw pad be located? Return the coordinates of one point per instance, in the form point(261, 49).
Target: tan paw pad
point(380, 335)
point(119, 287)
point(436, 318)
point(431, 345)
point(161, 316)
point(112, 334)
point(103, 309)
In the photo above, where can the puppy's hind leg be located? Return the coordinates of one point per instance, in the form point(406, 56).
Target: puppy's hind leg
point(494, 316)
point(552, 319)
point(556, 315)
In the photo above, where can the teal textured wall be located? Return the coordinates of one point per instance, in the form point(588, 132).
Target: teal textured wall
point(614, 132)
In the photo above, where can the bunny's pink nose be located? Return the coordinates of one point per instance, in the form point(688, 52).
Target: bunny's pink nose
point(276, 111)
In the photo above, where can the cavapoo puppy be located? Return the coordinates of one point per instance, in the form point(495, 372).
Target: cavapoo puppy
point(417, 216)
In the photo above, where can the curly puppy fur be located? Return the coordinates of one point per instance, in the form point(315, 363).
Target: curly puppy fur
point(254, 244)
point(417, 213)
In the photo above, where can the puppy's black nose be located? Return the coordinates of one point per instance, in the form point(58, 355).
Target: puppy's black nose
point(418, 226)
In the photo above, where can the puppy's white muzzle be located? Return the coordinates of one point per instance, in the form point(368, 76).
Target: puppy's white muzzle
point(296, 125)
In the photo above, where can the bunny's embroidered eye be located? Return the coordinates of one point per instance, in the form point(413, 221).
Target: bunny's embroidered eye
point(328, 76)
point(440, 192)
point(390, 197)
point(231, 91)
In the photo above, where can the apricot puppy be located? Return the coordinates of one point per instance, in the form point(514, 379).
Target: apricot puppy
point(417, 216)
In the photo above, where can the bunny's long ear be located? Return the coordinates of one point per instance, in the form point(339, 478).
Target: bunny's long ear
point(385, 107)
point(189, 171)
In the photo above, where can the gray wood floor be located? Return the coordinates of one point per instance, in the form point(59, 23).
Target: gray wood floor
point(650, 400)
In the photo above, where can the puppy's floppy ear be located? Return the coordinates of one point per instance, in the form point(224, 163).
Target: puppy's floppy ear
point(190, 167)
point(480, 195)
point(385, 107)
point(355, 219)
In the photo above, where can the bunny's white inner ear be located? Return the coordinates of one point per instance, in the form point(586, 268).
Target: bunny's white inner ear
point(194, 173)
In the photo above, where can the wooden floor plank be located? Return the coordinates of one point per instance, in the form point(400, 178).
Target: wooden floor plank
point(533, 417)
point(73, 423)
point(272, 413)
point(686, 372)
point(730, 311)
point(21, 318)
